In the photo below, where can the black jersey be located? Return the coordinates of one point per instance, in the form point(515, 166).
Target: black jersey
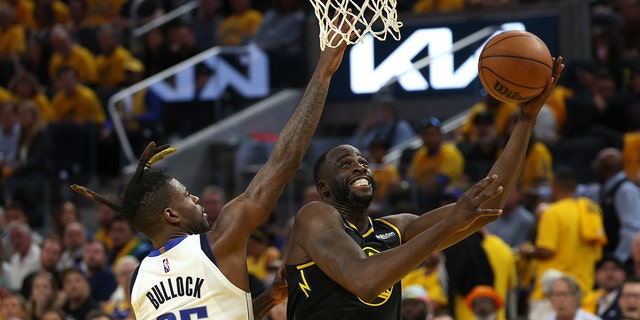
point(313, 295)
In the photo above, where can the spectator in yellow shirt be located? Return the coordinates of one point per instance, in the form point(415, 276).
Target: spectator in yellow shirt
point(74, 102)
point(631, 155)
point(24, 12)
point(102, 11)
point(427, 275)
point(262, 255)
point(239, 27)
point(110, 64)
point(425, 6)
point(436, 164)
point(538, 166)
point(501, 111)
point(53, 9)
point(67, 53)
point(13, 41)
point(557, 102)
point(4, 95)
point(25, 86)
point(570, 237)
point(505, 276)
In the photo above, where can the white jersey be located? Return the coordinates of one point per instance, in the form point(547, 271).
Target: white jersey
point(181, 281)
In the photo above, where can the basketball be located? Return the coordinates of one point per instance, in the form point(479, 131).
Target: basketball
point(515, 66)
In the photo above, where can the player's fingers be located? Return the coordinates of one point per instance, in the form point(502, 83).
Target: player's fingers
point(557, 71)
point(343, 22)
point(488, 212)
point(279, 283)
point(477, 188)
point(354, 34)
point(349, 27)
point(487, 194)
point(559, 66)
point(282, 272)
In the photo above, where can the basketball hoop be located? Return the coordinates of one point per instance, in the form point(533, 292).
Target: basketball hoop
point(365, 14)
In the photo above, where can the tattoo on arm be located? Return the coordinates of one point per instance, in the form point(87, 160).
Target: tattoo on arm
point(297, 135)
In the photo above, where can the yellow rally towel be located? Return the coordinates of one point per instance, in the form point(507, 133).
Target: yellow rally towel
point(591, 225)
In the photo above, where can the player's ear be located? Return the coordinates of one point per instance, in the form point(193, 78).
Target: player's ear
point(323, 190)
point(170, 215)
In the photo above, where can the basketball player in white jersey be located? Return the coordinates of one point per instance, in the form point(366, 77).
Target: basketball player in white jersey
point(191, 276)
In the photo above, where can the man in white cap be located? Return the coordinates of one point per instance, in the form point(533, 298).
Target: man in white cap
point(416, 304)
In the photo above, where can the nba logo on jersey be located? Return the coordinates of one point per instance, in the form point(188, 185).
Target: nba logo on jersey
point(165, 264)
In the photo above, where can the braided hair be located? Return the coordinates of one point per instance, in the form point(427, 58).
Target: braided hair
point(146, 193)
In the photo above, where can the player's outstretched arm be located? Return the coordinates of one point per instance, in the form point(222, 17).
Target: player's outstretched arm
point(507, 167)
point(318, 235)
point(253, 206)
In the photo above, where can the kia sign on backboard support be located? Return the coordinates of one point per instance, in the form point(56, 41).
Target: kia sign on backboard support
point(369, 65)
point(246, 71)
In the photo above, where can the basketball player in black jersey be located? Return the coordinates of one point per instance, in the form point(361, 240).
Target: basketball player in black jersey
point(341, 264)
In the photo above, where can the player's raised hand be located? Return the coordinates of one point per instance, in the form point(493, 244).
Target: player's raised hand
point(468, 207)
point(331, 56)
point(532, 107)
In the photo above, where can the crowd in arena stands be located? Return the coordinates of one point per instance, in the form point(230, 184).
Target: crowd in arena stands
point(61, 61)
point(567, 245)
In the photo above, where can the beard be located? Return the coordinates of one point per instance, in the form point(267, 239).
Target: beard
point(198, 226)
point(344, 196)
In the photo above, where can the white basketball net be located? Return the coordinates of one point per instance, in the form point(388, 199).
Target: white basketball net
point(383, 13)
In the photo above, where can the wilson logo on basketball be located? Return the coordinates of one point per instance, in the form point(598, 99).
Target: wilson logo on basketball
point(502, 89)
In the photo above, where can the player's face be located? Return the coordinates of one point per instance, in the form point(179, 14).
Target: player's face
point(194, 219)
point(350, 180)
